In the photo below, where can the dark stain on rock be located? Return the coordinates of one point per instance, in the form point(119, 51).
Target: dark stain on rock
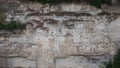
point(103, 13)
point(72, 14)
point(59, 14)
point(52, 21)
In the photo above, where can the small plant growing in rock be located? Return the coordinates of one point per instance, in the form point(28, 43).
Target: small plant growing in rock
point(116, 61)
point(109, 65)
point(12, 25)
point(47, 1)
point(96, 3)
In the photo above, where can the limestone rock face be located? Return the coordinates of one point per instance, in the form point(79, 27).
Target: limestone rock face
point(75, 37)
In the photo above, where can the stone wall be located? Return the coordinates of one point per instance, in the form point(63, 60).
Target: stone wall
point(62, 36)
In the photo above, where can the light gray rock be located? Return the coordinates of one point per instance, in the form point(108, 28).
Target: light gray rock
point(67, 39)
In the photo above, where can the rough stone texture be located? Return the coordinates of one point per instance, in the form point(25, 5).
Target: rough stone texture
point(79, 36)
point(80, 62)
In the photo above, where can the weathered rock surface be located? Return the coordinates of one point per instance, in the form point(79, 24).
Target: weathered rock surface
point(63, 36)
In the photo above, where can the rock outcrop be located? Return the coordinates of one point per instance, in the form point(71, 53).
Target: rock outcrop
point(63, 36)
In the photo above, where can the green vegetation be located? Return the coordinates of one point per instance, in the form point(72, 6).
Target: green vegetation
point(109, 65)
point(47, 1)
point(11, 25)
point(96, 3)
point(116, 61)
